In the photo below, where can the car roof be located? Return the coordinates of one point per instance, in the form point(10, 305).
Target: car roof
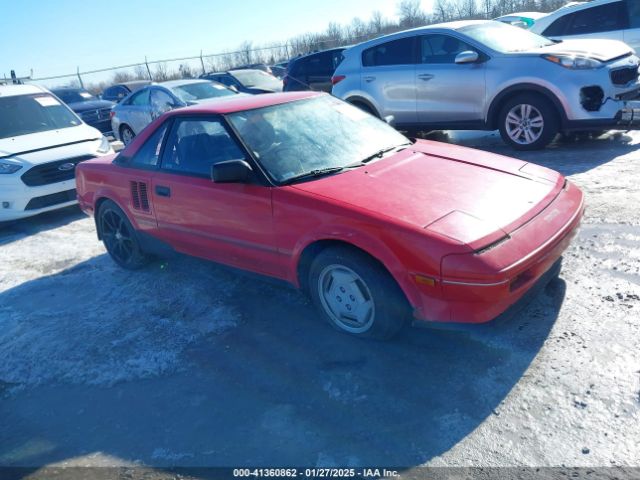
point(184, 81)
point(14, 90)
point(306, 55)
point(246, 102)
point(133, 83)
point(67, 89)
point(456, 25)
point(531, 15)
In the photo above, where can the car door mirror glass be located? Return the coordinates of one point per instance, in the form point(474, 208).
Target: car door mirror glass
point(231, 171)
point(467, 56)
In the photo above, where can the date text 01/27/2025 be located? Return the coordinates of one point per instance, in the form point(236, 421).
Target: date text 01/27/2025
point(314, 472)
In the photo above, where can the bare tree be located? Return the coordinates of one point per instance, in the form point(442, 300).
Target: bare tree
point(443, 11)
point(411, 14)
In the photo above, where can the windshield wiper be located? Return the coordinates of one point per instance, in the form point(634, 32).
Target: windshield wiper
point(319, 172)
point(381, 152)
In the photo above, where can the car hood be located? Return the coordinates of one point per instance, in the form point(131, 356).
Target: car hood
point(600, 49)
point(39, 147)
point(472, 197)
point(79, 107)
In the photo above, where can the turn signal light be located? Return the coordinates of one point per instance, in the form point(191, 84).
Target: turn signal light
point(337, 79)
point(422, 280)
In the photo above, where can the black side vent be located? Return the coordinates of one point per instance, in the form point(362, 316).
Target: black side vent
point(139, 196)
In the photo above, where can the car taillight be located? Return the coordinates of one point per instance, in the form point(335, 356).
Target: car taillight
point(337, 79)
point(112, 114)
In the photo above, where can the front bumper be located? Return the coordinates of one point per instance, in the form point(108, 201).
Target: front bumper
point(20, 201)
point(518, 267)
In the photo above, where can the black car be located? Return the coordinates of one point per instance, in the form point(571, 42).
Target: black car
point(92, 110)
point(246, 81)
point(312, 71)
point(117, 92)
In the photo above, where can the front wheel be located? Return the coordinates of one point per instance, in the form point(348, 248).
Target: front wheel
point(126, 134)
point(120, 238)
point(528, 122)
point(356, 295)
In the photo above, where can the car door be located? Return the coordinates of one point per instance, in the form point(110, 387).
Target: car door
point(447, 92)
point(388, 76)
point(605, 21)
point(632, 34)
point(230, 223)
point(137, 113)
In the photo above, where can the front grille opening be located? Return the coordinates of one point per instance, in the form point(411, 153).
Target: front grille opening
point(622, 76)
point(492, 245)
point(53, 172)
point(52, 199)
point(591, 98)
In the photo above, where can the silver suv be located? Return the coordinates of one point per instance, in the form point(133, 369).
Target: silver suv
point(483, 75)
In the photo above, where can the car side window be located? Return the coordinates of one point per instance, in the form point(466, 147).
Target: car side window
point(161, 101)
point(195, 145)
point(441, 48)
point(149, 154)
point(141, 98)
point(396, 52)
point(633, 7)
point(602, 18)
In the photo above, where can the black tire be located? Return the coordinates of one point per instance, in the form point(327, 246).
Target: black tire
point(126, 133)
point(531, 109)
point(373, 291)
point(120, 238)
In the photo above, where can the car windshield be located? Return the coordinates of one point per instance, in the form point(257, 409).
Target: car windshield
point(505, 38)
point(313, 136)
point(201, 91)
point(24, 114)
point(251, 78)
point(74, 96)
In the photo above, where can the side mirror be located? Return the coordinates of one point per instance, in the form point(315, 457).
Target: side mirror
point(230, 171)
point(467, 56)
point(390, 120)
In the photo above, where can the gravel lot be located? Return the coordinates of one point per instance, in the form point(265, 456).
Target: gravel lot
point(187, 363)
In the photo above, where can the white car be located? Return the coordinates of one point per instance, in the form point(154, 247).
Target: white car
point(41, 142)
point(608, 19)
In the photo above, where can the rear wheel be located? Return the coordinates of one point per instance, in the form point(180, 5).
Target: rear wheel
point(528, 122)
point(356, 295)
point(120, 238)
point(126, 134)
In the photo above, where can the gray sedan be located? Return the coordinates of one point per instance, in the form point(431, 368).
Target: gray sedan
point(140, 108)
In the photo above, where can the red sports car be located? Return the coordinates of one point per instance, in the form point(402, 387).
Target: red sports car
point(306, 188)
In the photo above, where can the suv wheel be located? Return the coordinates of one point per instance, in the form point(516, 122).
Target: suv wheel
point(528, 122)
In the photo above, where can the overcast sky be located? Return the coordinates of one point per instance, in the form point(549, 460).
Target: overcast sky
point(53, 38)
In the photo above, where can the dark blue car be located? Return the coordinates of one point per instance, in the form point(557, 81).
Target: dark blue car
point(92, 110)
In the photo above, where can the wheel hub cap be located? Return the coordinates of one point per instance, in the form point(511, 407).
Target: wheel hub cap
point(524, 124)
point(346, 298)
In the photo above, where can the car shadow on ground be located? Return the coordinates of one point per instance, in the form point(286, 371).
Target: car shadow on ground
point(191, 364)
point(19, 229)
point(569, 154)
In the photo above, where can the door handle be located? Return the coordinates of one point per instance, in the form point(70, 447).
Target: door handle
point(425, 76)
point(369, 79)
point(163, 191)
